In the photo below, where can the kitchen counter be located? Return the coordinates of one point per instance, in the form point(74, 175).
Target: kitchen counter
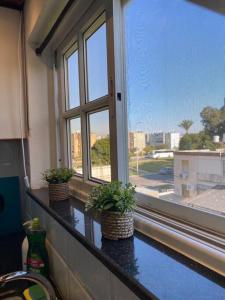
point(150, 269)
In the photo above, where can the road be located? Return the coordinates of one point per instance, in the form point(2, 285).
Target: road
point(152, 180)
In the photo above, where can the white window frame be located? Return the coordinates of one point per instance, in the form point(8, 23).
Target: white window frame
point(106, 108)
point(211, 222)
point(99, 13)
point(69, 148)
point(72, 49)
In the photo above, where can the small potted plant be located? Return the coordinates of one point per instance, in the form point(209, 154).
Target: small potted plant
point(116, 204)
point(58, 182)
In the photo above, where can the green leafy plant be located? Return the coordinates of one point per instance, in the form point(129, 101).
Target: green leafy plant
point(112, 196)
point(59, 175)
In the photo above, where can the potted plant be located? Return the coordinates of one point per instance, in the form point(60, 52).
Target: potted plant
point(58, 182)
point(116, 203)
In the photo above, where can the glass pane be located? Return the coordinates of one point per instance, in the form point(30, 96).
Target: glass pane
point(76, 145)
point(175, 88)
point(97, 78)
point(99, 142)
point(73, 94)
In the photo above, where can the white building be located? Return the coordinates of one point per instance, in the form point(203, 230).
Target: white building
point(198, 171)
point(172, 139)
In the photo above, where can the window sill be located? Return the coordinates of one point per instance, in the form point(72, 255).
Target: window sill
point(205, 248)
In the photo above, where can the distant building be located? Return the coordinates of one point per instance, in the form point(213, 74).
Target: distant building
point(147, 138)
point(172, 139)
point(93, 139)
point(76, 146)
point(157, 138)
point(76, 143)
point(196, 171)
point(136, 140)
point(216, 139)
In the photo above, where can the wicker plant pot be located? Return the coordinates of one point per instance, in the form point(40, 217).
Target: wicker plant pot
point(58, 191)
point(115, 226)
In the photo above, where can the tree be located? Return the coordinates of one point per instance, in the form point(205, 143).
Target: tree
point(202, 140)
point(162, 146)
point(149, 149)
point(196, 141)
point(100, 152)
point(186, 125)
point(185, 142)
point(212, 119)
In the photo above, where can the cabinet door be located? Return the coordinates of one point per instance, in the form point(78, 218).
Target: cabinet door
point(10, 89)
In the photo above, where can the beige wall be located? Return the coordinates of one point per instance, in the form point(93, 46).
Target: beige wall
point(9, 74)
point(38, 109)
point(33, 10)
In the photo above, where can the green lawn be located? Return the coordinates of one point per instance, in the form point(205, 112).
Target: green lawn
point(151, 165)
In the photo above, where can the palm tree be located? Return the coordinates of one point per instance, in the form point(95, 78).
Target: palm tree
point(186, 124)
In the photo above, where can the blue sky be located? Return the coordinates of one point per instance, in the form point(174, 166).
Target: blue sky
point(97, 64)
point(97, 79)
point(73, 80)
point(175, 63)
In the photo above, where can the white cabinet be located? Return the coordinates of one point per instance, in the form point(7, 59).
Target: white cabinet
point(9, 75)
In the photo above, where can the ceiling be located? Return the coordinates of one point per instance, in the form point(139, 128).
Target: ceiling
point(14, 4)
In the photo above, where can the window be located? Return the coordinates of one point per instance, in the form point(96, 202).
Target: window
point(99, 147)
point(75, 142)
point(144, 95)
point(72, 77)
point(96, 62)
point(85, 126)
point(174, 65)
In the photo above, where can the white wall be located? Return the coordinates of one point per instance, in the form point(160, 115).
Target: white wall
point(33, 10)
point(9, 74)
point(38, 109)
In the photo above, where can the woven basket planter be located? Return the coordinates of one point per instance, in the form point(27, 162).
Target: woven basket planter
point(115, 226)
point(58, 191)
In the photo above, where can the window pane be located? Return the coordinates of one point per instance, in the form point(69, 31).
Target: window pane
point(73, 94)
point(76, 145)
point(96, 51)
point(175, 89)
point(99, 142)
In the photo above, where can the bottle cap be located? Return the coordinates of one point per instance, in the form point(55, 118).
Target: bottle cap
point(35, 224)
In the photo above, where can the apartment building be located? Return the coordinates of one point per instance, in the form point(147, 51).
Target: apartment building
point(76, 148)
point(136, 140)
point(171, 139)
point(198, 171)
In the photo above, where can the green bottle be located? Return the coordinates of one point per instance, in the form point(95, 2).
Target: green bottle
point(37, 256)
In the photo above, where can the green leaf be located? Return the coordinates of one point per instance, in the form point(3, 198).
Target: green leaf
point(108, 206)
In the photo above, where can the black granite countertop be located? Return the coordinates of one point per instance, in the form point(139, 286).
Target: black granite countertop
point(150, 269)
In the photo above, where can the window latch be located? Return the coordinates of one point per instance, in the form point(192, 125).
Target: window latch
point(119, 96)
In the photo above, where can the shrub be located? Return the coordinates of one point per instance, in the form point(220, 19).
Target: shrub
point(59, 175)
point(112, 196)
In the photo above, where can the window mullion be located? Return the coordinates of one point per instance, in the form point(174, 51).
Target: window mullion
point(112, 100)
point(118, 118)
point(82, 103)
